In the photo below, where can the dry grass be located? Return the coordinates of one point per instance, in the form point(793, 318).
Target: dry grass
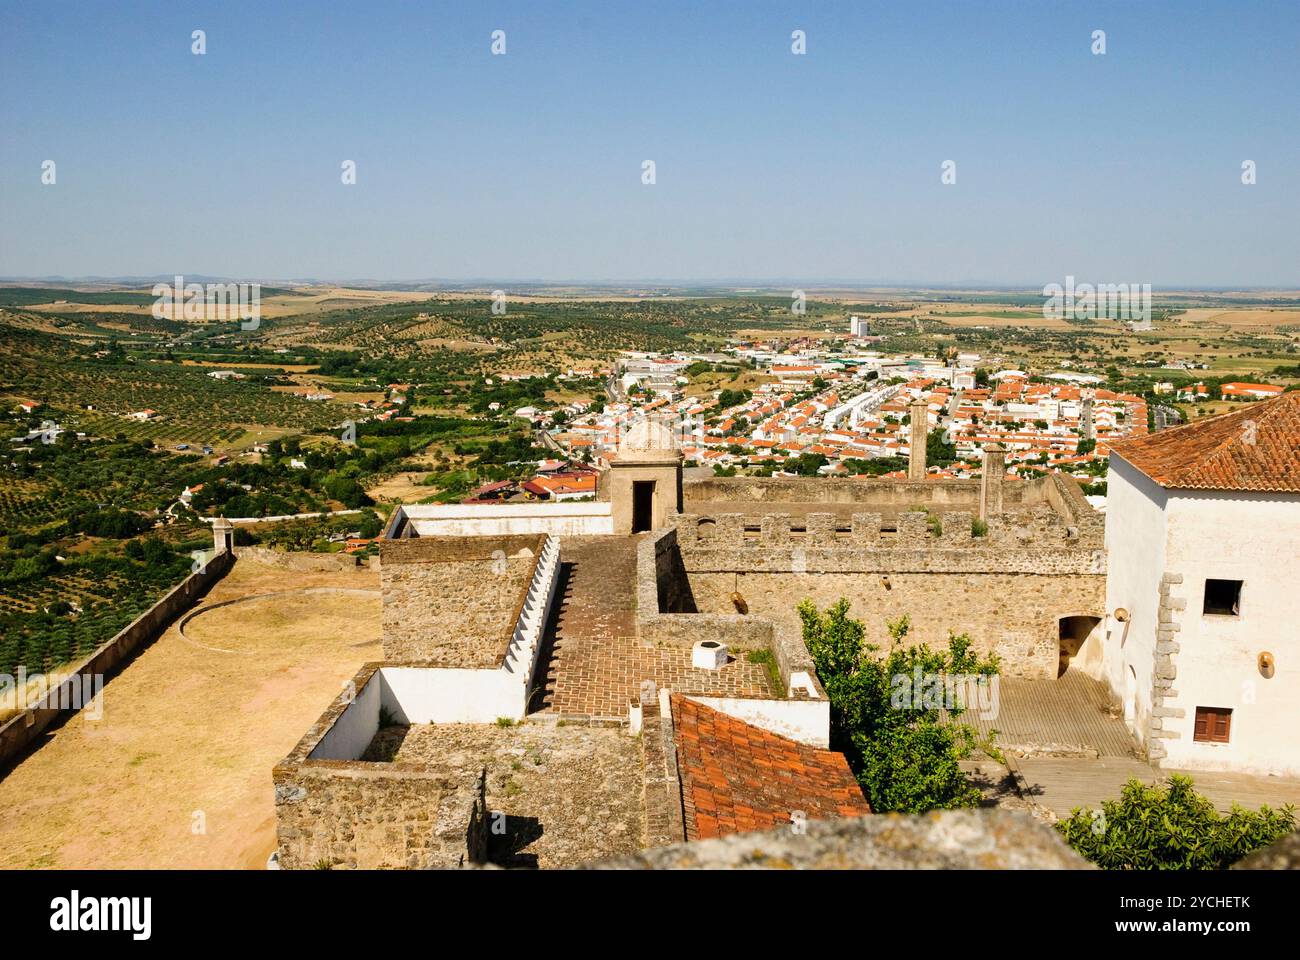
point(189, 730)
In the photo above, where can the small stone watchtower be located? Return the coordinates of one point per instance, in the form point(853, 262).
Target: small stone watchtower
point(223, 535)
point(645, 479)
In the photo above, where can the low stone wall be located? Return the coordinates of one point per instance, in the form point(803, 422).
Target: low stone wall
point(687, 628)
point(351, 813)
point(360, 815)
point(660, 589)
point(302, 561)
point(20, 732)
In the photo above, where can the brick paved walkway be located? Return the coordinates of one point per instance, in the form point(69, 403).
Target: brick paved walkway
point(593, 663)
point(1071, 713)
point(1060, 785)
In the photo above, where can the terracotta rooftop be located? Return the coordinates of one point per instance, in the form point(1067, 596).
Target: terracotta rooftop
point(1257, 448)
point(736, 777)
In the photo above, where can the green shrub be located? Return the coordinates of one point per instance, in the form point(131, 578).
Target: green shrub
point(1169, 826)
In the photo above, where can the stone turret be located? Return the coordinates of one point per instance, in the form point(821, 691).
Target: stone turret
point(223, 535)
point(920, 414)
point(645, 479)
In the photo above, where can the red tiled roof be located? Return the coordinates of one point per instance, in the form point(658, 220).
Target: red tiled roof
point(736, 777)
point(1257, 448)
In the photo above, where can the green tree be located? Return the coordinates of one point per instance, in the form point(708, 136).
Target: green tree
point(1169, 826)
point(937, 451)
point(903, 747)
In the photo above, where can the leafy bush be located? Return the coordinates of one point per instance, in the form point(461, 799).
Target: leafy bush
point(1169, 826)
point(905, 754)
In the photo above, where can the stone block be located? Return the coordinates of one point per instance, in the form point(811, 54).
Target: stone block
point(866, 529)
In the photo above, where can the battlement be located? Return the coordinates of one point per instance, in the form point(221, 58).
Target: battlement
point(1039, 542)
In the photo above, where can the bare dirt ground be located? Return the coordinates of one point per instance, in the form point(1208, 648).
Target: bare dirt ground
point(190, 731)
point(403, 487)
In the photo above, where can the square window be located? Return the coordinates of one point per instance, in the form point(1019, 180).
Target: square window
point(1222, 598)
point(1213, 724)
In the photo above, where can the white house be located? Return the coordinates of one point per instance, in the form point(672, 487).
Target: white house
point(1203, 590)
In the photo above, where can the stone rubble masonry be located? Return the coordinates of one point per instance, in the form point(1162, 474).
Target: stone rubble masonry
point(365, 815)
point(1051, 508)
point(664, 819)
point(1006, 590)
point(945, 840)
point(454, 601)
point(1165, 671)
point(993, 480)
point(919, 422)
point(678, 623)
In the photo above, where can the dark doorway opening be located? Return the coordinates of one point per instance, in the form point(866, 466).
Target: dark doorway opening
point(1077, 638)
point(643, 505)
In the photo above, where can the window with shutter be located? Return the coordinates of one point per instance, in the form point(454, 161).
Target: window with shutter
point(1213, 724)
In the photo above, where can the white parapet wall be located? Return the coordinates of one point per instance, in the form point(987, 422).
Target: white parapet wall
point(416, 694)
point(592, 518)
point(803, 720)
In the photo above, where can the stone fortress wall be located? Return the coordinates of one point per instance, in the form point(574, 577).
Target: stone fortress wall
point(1038, 561)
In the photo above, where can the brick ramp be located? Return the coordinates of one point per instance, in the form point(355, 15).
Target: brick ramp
point(1073, 714)
point(591, 662)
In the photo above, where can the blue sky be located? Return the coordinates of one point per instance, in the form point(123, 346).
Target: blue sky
point(1117, 168)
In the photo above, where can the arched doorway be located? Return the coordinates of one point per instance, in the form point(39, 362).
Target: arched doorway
point(1079, 643)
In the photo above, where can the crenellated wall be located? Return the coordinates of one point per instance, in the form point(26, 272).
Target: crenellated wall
point(1008, 589)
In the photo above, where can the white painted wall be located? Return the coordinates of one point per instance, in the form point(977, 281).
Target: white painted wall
point(1255, 538)
point(436, 695)
point(502, 519)
point(354, 730)
point(1135, 550)
point(807, 721)
point(1252, 537)
point(442, 695)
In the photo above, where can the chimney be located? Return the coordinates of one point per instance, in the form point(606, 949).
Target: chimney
point(994, 473)
point(920, 413)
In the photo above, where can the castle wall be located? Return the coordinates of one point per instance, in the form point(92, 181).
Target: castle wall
point(332, 808)
point(22, 730)
point(1008, 590)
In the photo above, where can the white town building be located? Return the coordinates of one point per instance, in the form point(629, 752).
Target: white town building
point(1203, 590)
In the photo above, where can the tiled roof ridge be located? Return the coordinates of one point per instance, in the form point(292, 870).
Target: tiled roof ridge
point(737, 777)
point(1204, 454)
